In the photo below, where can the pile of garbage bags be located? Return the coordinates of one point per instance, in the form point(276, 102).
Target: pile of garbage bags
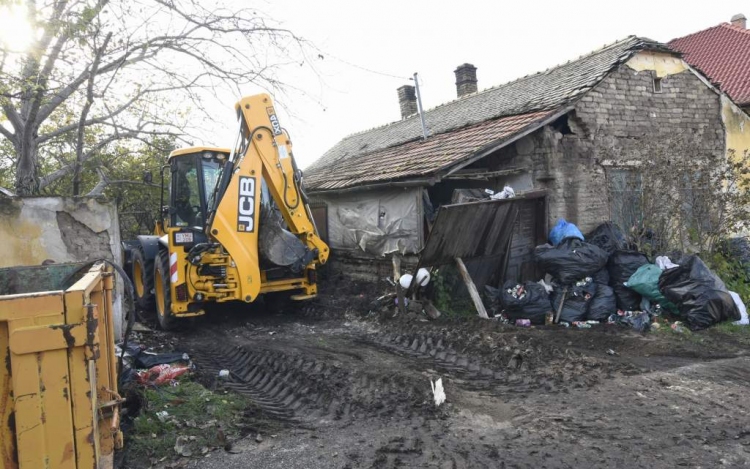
point(598, 278)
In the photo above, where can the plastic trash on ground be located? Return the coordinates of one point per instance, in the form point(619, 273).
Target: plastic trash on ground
point(603, 304)
point(622, 265)
point(570, 261)
point(701, 296)
point(506, 193)
point(744, 320)
point(577, 300)
point(645, 281)
point(563, 230)
point(161, 374)
point(638, 320)
point(438, 393)
point(525, 301)
point(609, 237)
point(665, 263)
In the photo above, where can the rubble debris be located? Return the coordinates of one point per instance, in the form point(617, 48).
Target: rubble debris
point(701, 296)
point(563, 230)
point(430, 310)
point(181, 446)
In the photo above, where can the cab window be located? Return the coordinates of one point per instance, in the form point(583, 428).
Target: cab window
point(186, 206)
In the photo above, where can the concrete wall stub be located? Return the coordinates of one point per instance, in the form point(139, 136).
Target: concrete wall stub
point(60, 229)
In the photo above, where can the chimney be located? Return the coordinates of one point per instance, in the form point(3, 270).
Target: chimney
point(739, 21)
point(407, 99)
point(466, 79)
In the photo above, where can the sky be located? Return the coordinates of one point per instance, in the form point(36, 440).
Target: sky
point(370, 48)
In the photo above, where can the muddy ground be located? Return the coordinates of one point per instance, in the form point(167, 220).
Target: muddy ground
point(336, 388)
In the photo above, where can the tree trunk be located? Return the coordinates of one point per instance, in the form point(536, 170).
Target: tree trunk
point(27, 182)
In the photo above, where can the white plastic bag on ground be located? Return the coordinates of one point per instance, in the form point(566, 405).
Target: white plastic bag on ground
point(744, 321)
point(665, 263)
point(437, 391)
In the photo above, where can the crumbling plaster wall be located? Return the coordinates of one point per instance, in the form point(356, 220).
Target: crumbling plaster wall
point(60, 229)
point(616, 124)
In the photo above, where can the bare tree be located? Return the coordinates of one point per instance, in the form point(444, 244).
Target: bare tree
point(679, 194)
point(123, 70)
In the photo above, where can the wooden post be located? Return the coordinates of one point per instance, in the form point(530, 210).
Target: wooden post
point(562, 303)
point(472, 288)
point(399, 291)
point(396, 267)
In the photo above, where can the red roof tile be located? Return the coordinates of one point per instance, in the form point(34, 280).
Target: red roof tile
point(723, 54)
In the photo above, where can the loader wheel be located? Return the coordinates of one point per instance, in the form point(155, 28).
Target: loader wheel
point(143, 279)
point(162, 292)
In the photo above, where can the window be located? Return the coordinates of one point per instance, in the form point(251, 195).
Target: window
point(625, 190)
point(657, 85)
point(186, 207)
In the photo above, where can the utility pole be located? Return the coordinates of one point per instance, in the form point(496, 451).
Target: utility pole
point(421, 109)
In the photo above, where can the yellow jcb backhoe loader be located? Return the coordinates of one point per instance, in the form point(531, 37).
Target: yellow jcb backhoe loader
point(237, 225)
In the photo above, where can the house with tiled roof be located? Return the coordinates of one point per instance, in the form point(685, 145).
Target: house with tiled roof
point(722, 53)
point(567, 140)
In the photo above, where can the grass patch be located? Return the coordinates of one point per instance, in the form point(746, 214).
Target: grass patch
point(208, 419)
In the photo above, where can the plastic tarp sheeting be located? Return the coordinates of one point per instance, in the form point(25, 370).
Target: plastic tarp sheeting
point(700, 295)
point(376, 222)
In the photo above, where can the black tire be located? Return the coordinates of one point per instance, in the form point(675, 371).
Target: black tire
point(143, 279)
point(163, 294)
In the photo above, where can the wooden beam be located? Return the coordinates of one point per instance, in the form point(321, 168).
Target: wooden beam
point(472, 288)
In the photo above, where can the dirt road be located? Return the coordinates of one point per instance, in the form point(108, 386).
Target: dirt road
point(355, 393)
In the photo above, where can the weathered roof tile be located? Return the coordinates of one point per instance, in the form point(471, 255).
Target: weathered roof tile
point(395, 151)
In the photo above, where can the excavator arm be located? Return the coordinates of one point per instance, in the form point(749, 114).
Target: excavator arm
point(263, 153)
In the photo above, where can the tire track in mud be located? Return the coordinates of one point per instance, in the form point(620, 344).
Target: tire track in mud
point(510, 370)
point(296, 388)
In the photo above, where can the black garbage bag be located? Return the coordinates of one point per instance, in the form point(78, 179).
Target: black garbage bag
point(621, 265)
point(525, 301)
point(638, 320)
point(699, 294)
point(571, 260)
point(603, 304)
point(574, 308)
point(601, 276)
point(609, 237)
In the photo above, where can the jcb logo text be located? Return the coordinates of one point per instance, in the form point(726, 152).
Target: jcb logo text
point(246, 209)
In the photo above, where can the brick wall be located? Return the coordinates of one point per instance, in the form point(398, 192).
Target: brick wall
point(617, 122)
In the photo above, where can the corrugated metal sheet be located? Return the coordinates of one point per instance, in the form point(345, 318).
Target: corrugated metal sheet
point(468, 231)
point(422, 157)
